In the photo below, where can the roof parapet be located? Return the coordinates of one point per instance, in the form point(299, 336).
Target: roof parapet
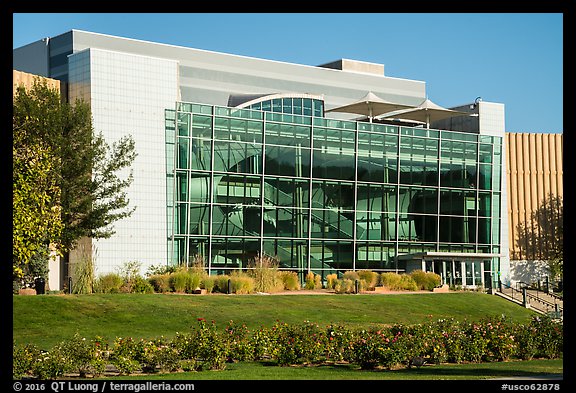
point(362, 67)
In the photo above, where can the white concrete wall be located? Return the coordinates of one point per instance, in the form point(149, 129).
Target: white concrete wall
point(128, 94)
point(528, 271)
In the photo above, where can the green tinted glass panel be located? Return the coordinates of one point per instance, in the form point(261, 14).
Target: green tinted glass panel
point(237, 189)
point(496, 179)
point(485, 204)
point(237, 157)
point(183, 124)
point(285, 222)
point(277, 105)
point(287, 134)
point(375, 225)
point(418, 172)
point(181, 217)
point(182, 186)
point(287, 105)
point(457, 174)
point(183, 153)
point(374, 167)
point(199, 187)
point(333, 164)
point(485, 176)
point(484, 230)
point(331, 224)
point(287, 161)
point(318, 108)
point(485, 153)
point(495, 231)
point(457, 202)
point(286, 192)
point(297, 106)
point(199, 219)
point(376, 197)
point(200, 158)
point(333, 194)
point(201, 126)
point(307, 107)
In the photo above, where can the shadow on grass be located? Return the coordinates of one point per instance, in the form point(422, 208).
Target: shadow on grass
point(439, 371)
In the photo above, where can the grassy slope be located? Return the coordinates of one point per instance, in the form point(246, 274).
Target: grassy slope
point(49, 319)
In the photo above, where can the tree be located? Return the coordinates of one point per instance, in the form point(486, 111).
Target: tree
point(93, 191)
point(542, 238)
point(36, 219)
point(88, 176)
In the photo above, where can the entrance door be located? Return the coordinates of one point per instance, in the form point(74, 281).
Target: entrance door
point(467, 273)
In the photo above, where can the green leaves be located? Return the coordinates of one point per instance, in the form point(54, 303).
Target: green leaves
point(36, 220)
point(68, 182)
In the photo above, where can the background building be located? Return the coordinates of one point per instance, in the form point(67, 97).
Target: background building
point(238, 156)
point(535, 171)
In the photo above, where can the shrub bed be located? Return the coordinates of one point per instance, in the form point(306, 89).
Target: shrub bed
point(206, 347)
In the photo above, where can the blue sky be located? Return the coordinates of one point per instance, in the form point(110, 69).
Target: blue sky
point(512, 58)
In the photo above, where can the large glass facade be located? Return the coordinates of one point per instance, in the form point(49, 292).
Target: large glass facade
point(324, 195)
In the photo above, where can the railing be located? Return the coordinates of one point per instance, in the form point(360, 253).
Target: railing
point(521, 294)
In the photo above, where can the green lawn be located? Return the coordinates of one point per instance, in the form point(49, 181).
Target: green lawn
point(262, 371)
point(49, 319)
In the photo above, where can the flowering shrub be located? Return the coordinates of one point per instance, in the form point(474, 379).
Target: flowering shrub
point(297, 344)
point(158, 355)
point(550, 338)
point(239, 347)
point(339, 343)
point(207, 348)
point(501, 339)
point(51, 365)
point(369, 349)
point(210, 346)
point(261, 342)
point(125, 354)
point(85, 356)
point(527, 339)
point(23, 358)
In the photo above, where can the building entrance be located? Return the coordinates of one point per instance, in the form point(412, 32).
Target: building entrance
point(469, 273)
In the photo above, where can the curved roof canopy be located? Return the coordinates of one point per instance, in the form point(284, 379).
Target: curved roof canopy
point(245, 100)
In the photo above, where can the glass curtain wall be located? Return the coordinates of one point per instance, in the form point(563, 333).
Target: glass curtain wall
point(323, 195)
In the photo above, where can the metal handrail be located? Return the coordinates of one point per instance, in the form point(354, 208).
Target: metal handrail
point(538, 291)
point(559, 310)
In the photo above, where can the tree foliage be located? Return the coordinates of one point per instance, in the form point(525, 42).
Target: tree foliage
point(68, 181)
point(542, 238)
point(93, 190)
point(36, 220)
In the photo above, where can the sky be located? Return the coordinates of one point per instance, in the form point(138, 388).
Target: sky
point(510, 58)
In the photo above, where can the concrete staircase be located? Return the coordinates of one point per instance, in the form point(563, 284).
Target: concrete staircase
point(539, 301)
